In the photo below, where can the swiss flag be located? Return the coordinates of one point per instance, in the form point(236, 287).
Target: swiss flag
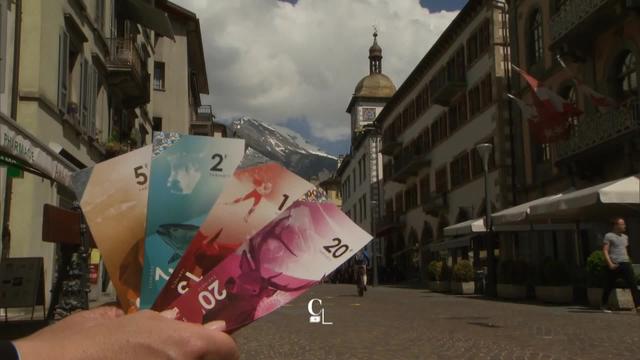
point(553, 112)
point(600, 101)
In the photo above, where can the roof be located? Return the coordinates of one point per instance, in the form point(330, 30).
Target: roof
point(375, 85)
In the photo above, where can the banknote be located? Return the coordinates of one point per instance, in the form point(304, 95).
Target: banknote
point(254, 196)
point(282, 260)
point(188, 174)
point(113, 198)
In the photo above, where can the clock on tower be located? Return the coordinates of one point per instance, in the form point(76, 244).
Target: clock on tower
point(368, 114)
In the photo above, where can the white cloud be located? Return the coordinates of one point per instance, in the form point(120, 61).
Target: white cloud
point(273, 61)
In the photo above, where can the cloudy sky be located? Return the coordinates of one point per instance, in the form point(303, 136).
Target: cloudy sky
point(296, 62)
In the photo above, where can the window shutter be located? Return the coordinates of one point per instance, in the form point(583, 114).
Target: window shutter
point(84, 94)
point(93, 95)
point(63, 71)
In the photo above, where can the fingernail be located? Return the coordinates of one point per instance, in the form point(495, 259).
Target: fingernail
point(216, 325)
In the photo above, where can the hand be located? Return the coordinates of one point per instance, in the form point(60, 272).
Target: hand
point(105, 333)
point(613, 266)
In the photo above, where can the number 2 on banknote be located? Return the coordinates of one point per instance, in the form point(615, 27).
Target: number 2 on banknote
point(336, 249)
point(216, 166)
point(208, 298)
point(285, 197)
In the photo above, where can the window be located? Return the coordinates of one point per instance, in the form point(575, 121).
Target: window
point(426, 140)
point(442, 181)
point(388, 207)
point(353, 175)
point(472, 48)
point(100, 15)
point(439, 130)
point(535, 48)
point(459, 169)
point(364, 167)
point(627, 75)
point(158, 75)
point(364, 207)
point(484, 36)
point(542, 153)
point(486, 92)
point(63, 71)
point(425, 188)
point(399, 203)
point(479, 42)
point(457, 113)
point(157, 124)
point(474, 101)
point(411, 197)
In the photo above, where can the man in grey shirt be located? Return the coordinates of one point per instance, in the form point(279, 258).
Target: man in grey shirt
point(615, 252)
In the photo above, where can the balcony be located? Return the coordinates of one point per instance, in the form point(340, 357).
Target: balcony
point(387, 223)
point(578, 21)
point(409, 162)
point(599, 129)
point(202, 124)
point(126, 72)
point(436, 203)
point(447, 84)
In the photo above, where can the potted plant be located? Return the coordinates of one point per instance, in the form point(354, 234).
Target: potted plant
point(554, 286)
point(596, 272)
point(434, 270)
point(114, 147)
point(462, 281)
point(512, 276)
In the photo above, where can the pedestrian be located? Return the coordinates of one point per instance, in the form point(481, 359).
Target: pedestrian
point(614, 248)
point(106, 333)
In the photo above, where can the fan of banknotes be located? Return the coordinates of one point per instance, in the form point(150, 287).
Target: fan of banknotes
point(183, 226)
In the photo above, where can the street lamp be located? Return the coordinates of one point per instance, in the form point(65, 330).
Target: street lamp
point(484, 150)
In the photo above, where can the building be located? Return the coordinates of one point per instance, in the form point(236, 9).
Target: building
point(360, 171)
point(180, 76)
point(599, 41)
point(433, 176)
point(332, 187)
point(81, 92)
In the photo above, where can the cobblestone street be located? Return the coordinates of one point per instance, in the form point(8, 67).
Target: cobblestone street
point(400, 323)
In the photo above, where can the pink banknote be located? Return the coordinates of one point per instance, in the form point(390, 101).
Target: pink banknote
point(285, 258)
point(252, 198)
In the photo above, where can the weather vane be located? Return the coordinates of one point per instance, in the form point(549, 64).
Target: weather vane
point(375, 30)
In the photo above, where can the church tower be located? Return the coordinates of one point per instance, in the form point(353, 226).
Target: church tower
point(371, 93)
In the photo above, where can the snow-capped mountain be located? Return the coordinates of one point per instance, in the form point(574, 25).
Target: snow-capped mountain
point(271, 142)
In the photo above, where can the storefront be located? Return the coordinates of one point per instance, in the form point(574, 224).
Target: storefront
point(20, 153)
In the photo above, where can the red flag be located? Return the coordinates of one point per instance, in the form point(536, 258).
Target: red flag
point(553, 112)
point(602, 102)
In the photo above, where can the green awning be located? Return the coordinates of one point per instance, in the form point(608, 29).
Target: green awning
point(148, 16)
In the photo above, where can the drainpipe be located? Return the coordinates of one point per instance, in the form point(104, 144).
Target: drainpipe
point(14, 111)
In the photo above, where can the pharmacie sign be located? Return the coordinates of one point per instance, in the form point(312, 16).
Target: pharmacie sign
point(21, 147)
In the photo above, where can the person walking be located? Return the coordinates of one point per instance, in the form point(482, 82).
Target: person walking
point(614, 247)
